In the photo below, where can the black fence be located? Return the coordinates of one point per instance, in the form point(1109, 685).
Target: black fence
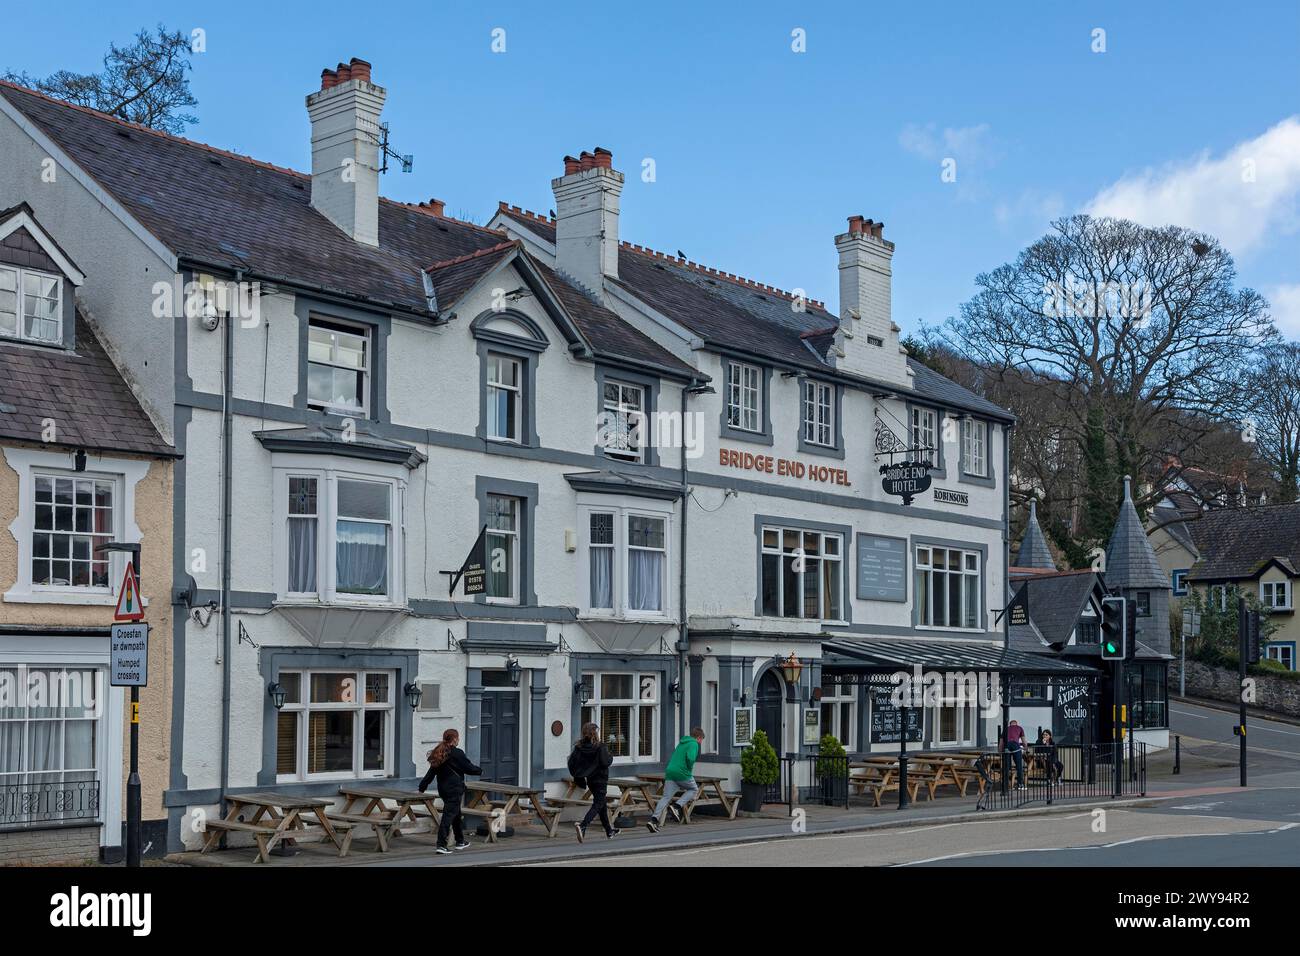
point(35, 805)
point(1063, 772)
point(810, 779)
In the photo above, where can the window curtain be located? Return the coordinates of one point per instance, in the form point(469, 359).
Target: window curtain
point(602, 577)
point(362, 554)
point(645, 580)
point(302, 555)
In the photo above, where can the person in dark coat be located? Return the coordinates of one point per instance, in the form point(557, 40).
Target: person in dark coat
point(449, 764)
point(1046, 745)
point(589, 765)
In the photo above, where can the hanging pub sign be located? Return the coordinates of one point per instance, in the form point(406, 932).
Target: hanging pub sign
point(905, 479)
point(474, 570)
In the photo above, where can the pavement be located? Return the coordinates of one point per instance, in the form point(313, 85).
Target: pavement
point(1198, 817)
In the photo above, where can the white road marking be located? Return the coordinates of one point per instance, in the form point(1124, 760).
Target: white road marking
point(1093, 846)
point(1188, 713)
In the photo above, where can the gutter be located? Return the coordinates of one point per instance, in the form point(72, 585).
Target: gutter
point(227, 417)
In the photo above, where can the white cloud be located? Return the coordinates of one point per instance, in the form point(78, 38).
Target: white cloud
point(966, 143)
point(1243, 197)
point(1284, 306)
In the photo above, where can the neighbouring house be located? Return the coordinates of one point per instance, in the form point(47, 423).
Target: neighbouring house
point(514, 478)
point(81, 464)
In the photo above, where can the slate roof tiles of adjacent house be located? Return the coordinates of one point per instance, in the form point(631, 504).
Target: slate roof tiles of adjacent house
point(733, 312)
point(80, 391)
point(1130, 559)
point(1055, 603)
point(217, 208)
point(1237, 543)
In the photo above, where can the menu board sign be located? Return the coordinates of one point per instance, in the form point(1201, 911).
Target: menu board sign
point(887, 720)
point(882, 568)
point(743, 724)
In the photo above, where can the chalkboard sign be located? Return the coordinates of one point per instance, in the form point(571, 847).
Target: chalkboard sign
point(882, 568)
point(1071, 711)
point(742, 726)
point(887, 720)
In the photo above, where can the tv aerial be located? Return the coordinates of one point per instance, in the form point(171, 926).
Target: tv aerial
point(386, 151)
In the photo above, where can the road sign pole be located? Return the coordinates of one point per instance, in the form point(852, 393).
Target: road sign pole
point(1118, 724)
point(133, 810)
point(1243, 652)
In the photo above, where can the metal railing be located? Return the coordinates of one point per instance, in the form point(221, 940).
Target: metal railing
point(811, 779)
point(1061, 772)
point(37, 805)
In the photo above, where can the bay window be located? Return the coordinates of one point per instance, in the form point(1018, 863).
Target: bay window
point(947, 587)
point(362, 534)
point(334, 724)
point(31, 305)
point(744, 396)
point(626, 709)
point(802, 574)
point(627, 562)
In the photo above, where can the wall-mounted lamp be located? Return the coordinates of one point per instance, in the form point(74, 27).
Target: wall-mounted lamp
point(676, 688)
point(79, 460)
point(277, 695)
point(583, 692)
point(791, 668)
point(513, 670)
point(413, 694)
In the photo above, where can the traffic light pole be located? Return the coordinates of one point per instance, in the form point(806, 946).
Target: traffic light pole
point(1243, 651)
point(133, 780)
point(1117, 675)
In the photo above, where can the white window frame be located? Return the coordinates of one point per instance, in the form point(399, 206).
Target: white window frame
point(327, 475)
point(1281, 652)
point(1268, 593)
point(974, 449)
point(516, 579)
point(591, 711)
point(818, 414)
point(965, 722)
point(840, 697)
point(125, 473)
point(925, 433)
point(970, 578)
point(744, 383)
point(340, 327)
point(358, 707)
point(96, 537)
point(516, 393)
point(711, 716)
point(820, 557)
point(623, 510)
point(20, 304)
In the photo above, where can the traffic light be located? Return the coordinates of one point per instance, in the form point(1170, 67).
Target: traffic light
point(1252, 636)
point(1114, 628)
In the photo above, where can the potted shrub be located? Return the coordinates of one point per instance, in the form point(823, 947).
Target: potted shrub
point(759, 769)
point(833, 771)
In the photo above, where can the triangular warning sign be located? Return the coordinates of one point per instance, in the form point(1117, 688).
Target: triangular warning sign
point(129, 605)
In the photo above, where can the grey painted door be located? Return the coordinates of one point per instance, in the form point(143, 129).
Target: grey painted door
point(499, 736)
point(767, 709)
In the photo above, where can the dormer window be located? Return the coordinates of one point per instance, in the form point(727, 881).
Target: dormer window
point(338, 368)
point(31, 305)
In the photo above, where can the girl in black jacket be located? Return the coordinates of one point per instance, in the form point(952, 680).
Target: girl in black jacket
point(590, 762)
point(449, 764)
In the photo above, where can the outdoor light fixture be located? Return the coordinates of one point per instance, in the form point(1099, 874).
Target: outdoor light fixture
point(79, 460)
point(513, 670)
point(791, 667)
point(676, 688)
point(413, 694)
point(583, 692)
point(277, 695)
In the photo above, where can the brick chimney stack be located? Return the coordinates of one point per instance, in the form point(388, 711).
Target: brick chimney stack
point(344, 116)
point(868, 336)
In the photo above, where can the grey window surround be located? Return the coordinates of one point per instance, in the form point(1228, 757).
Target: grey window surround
point(379, 327)
point(726, 430)
point(526, 492)
point(983, 550)
point(963, 476)
point(649, 385)
point(940, 469)
point(846, 542)
point(837, 409)
point(663, 665)
point(68, 332)
point(406, 664)
point(526, 349)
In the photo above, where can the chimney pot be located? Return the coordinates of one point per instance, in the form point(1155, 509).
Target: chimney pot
point(344, 72)
point(855, 225)
point(878, 230)
point(571, 165)
point(327, 79)
point(437, 205)
point(587, 161)
point(360, 69)
point(603, 158)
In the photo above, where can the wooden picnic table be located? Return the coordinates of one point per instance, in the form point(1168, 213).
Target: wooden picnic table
point(370, 806)
point(631, 792)
point(514, 798)
point(715, 784)
point(289, 814)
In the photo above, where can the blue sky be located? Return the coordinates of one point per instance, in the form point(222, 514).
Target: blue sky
point(760, 152)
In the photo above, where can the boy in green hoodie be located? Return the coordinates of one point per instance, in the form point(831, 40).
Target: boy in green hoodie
point(678, 776)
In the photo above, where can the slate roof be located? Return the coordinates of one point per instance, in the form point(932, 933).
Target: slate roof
point(1034, 552)
point(81, 390)
point(217, 208)
point(731, 312)
point(1237, 543)
point(1055, 603)
point(1130, 559)
point(331, 438)
point(887, 656)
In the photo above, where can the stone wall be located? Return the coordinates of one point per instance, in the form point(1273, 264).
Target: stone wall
point(57, 845)
point(1277, 694)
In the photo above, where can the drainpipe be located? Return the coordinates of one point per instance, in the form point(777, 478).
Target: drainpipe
point(227, 392)
point(683, 628)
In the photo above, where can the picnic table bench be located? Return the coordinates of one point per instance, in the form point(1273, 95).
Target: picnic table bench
point(383, 809)
point(710, 793)
point(632, 792)
point(877, 778)
point(482, 802)
point(286, 816)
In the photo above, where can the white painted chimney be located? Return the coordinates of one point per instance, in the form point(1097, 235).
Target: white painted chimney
point(867, 334)
point(344, 149)
point(586, 218)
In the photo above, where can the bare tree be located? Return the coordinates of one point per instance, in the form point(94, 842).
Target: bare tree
point(143, 83)
point(1128, 346)
point(1271, 416)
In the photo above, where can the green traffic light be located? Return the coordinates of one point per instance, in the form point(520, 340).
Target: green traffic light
point(1110, 648)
